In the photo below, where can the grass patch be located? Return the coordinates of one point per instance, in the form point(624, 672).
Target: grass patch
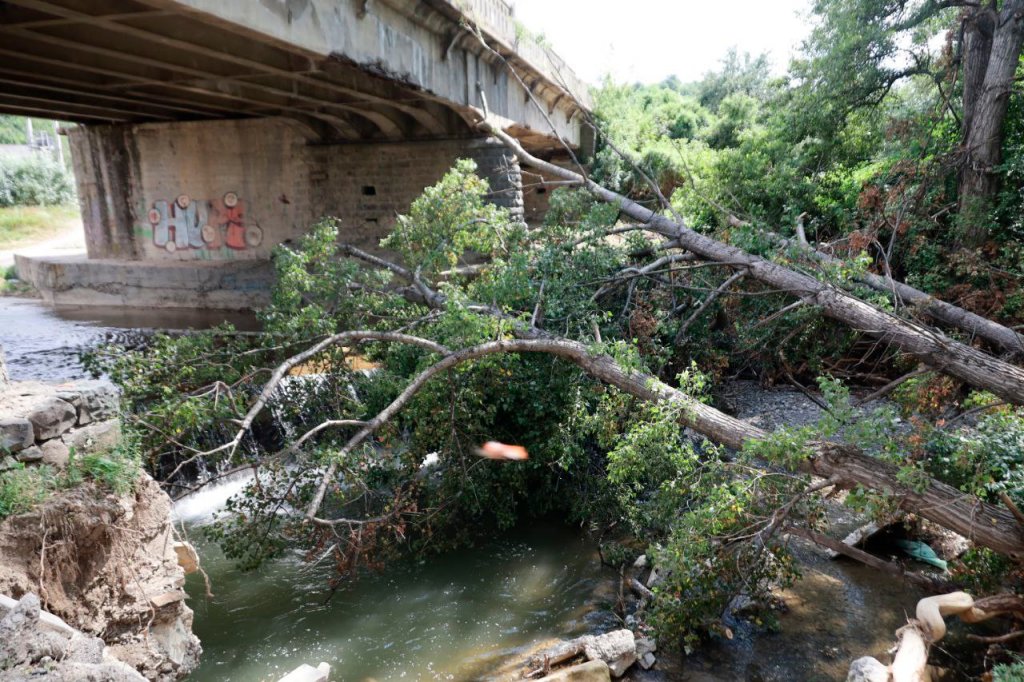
point(22, 488)
point(23, 225)
point(116, 470)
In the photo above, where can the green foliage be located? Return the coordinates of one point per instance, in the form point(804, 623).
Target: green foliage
point(116, 470)
point(1008, 672)
point(450, 219)
point(22, 488)
point(34, 182)
point(985, 460)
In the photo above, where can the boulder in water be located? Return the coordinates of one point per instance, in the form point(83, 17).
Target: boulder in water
point(591, 671)
point(616, 648)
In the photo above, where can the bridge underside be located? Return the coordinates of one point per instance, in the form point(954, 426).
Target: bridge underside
point(210, 131)
point(121, 61)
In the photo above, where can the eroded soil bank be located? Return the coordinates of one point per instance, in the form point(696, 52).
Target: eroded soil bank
point(106, 565)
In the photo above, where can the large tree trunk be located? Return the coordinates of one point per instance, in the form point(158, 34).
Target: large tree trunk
point(990, 63)
point(969, 364)
point(1000, 336)
point(978, 28)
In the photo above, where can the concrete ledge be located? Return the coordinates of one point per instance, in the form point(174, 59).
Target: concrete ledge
point(80, 281)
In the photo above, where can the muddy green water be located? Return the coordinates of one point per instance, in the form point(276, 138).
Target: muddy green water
point(457, 617)
point(477, 613)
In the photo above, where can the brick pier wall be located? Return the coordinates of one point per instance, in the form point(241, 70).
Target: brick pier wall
point(231, 190)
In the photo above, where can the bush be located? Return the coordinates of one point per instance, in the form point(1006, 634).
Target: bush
point(34, 182)
point(21, 488)
point(1011, 672)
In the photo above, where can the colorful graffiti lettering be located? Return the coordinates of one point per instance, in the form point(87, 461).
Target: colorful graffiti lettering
point(188, 223)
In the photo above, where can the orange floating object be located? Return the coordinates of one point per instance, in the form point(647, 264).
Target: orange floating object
point(492, 449)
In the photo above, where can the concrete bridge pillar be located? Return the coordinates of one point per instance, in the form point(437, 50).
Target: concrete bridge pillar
point(186, 214)
point(232, 190)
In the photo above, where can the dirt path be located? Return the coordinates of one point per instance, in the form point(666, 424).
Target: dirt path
point(71, 242)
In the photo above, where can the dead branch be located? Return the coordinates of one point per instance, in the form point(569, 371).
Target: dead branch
point(954, 316)
point(892, 386)
point(712, 297)
point(863, 557)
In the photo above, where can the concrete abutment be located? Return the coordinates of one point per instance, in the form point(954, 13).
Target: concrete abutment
point(186, 214)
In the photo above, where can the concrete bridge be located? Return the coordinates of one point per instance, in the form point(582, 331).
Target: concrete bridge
point(211, 130)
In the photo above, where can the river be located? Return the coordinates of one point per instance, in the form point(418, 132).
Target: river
point(463, 615)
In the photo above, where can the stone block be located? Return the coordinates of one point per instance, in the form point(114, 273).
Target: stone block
point(99, 400)
point(591, 671)
point(647, 661)
point(16, 434)
point(93, 438)
point(30, 455)
point(616, 648)
point(187, 557)
point(85, 649)
point(55, 453)
point(307, 673)
point(867, 669)
point(51, 417)
point(646, 645)
point(165, 598)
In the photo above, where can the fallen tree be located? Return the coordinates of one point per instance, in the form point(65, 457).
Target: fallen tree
point(355, 474)
point(948, 314)
point(843, 465)
point(973, 366)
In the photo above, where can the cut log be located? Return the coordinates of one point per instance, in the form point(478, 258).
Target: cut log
point(935, 349)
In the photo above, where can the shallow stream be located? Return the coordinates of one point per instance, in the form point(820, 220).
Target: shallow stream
point(464, 615)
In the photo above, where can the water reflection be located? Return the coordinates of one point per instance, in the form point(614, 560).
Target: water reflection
point(44, 344)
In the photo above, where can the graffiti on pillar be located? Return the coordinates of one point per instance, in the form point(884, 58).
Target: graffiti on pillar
point(189, 223)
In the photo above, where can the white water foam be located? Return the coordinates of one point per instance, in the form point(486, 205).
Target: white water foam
point(200, 507)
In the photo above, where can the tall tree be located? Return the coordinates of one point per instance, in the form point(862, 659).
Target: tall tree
point(862, 48)
point(993, 36)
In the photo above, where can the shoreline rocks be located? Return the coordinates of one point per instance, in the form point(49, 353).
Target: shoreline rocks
point(106, 564)
point(44, 423)
point(35, 644)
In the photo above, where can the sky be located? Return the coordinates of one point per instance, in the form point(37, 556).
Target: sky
point(649, 40)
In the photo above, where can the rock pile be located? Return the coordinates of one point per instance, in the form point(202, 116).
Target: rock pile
point(36, 645)
point(608, 655)
point(43, 423)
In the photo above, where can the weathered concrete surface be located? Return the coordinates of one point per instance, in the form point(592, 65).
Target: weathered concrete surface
point(345, 69)
point(239, 285)
point(214, 130)
point(421, 44)
point(232, 190)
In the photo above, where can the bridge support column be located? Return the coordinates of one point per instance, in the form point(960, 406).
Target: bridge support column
point(187, 199)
